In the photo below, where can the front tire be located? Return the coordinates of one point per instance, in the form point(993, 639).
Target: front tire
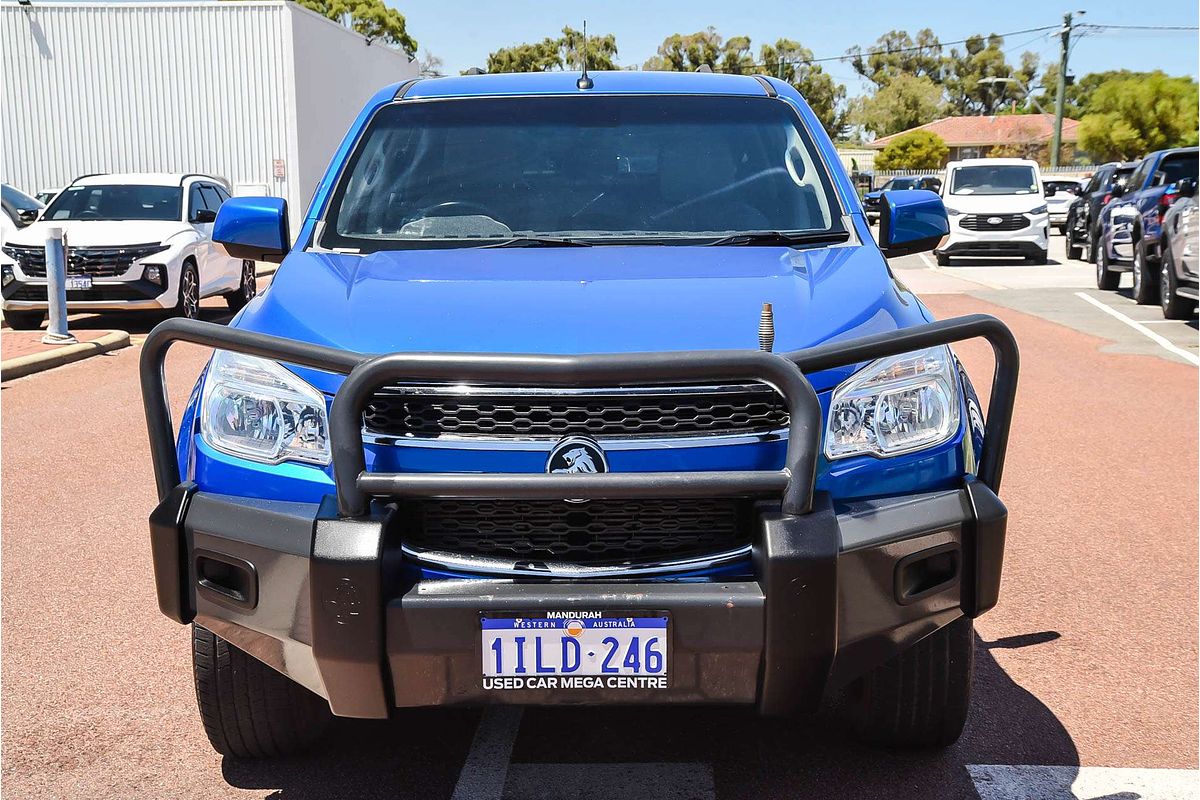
point(246, 290)
point(921, 697)
point(1173, 306)
point(1143, 279)
point(1106, 278)
point(249, 710)
point(1074, 249)
point(188, 305)
point(24, 320)
point(943, 260)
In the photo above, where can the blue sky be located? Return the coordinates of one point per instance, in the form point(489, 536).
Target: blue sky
point(463, 33)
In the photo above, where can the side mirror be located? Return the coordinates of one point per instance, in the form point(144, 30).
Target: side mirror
point(254, 228)
point(203, 216)
point(911, 222)
point(1051, 191)
point(27, 216)
point(1186, 187)
point(1118, 190)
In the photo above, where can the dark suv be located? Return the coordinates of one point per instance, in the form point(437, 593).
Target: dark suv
point(1084, 213)
point(1129, 227)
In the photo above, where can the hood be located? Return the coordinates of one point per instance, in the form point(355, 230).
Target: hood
point(100, 233)
point(994, 203)
point(607, 299)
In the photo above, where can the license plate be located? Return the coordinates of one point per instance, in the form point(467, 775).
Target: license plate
point(79, 282)
point(575, 650)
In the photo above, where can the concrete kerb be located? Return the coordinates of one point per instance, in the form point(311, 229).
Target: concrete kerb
point(21, 366)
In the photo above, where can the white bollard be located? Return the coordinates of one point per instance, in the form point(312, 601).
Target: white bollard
point(56, 289)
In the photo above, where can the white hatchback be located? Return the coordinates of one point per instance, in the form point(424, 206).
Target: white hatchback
point(134, 241)
point(997, 207)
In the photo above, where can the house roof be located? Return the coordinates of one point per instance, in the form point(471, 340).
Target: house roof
point(982, 131)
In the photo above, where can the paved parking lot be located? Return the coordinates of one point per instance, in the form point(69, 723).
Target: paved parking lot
point(1086, 672)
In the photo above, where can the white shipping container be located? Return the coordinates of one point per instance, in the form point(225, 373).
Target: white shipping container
point(259, 93)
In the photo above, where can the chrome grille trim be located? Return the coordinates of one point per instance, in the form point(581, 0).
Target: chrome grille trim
point(460, 413)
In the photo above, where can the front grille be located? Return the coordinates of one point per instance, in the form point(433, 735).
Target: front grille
point(1007, 222)
point(595, 533)
point(682, 411)
point(109, 293)
point(98, 262)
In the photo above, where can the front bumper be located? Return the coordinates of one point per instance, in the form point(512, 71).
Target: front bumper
point(330, 603)
point(105, 294)
point(324, 593)
point(1027, 241)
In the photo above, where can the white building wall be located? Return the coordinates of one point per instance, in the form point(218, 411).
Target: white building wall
point(336, 72)
point(225, 88)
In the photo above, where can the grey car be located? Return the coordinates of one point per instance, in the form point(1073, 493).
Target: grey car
point(1180, 253)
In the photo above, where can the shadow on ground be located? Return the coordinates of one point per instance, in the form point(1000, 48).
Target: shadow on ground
point(420, 753)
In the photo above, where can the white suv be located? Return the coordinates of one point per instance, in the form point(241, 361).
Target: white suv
point(997, 207)
point(136, 241)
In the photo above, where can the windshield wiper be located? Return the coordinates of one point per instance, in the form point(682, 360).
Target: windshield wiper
point(537, 241)
point(778, 239)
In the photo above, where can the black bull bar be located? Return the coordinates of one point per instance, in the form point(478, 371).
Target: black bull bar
point(783, 371)
point(799, 549)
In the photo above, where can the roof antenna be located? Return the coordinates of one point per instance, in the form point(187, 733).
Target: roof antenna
point(584, 81)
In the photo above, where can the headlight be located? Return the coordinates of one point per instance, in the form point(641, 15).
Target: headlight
point(7, 275)
point(156, 273)
point(895, 405)
point(253, 408)
point(1039, 210)
point(954, 212)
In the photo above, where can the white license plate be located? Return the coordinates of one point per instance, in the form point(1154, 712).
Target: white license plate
point(79, 282)
point(575, 650)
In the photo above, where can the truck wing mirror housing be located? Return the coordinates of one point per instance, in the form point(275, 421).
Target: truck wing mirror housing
point(254, 228)
point(910, 222)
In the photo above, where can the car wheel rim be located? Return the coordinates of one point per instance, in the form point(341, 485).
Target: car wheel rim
point(1164, 286)
point(249, 282)
point(1137, 272)
point(191, 302)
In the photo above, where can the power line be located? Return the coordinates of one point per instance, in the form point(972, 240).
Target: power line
point(1096, 27)
point(1143, 27)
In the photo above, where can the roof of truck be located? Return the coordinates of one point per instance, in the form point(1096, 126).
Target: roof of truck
point(564, 83)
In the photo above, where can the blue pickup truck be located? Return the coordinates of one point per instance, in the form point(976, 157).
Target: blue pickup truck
point(580, 390)
point(1130, 227)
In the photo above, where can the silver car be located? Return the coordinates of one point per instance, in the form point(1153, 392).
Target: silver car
point(1180, 253)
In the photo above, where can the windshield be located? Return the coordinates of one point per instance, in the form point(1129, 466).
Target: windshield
point(1176, 168)
point(1062, 186)
point(896, 184)
point(658, 169)
point(116, 202)
point(994, 179)
point(15, 198)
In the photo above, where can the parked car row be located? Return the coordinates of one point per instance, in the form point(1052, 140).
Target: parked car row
point(135, 241)
point(1141, 218)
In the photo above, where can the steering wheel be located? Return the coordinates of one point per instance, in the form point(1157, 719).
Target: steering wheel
point(88, 215)
point(453, 208)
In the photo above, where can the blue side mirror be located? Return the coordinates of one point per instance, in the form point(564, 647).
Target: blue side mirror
point(911, 221)
point(254, 228)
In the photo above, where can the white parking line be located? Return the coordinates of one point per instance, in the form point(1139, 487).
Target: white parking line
point(486, 768)
point(1003, 782)
point(1191, 358)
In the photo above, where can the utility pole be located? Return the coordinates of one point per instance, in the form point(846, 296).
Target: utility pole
point(1060, 100)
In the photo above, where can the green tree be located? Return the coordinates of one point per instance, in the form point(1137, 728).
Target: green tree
point(787, 60)
point(371, 18)
point(983, 57)
point(916, 150)
point(684, 53)
point(790, 61)
point(905, 102)
point(1128, 117)
point(1079, 93)
point(897, 54)
point(565, 52)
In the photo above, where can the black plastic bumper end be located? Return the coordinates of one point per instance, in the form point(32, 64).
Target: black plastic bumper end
point(171, 549)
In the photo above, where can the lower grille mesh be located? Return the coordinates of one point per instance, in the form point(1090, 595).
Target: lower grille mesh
point(597, 532)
